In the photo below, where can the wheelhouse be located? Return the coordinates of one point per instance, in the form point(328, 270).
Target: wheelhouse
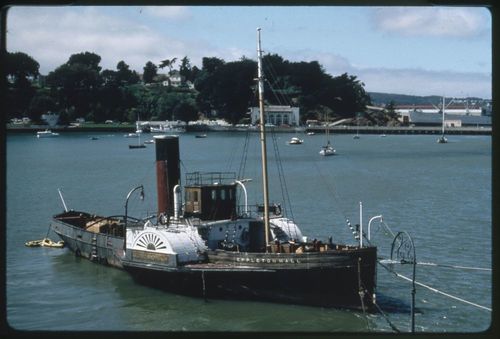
point(210, 196)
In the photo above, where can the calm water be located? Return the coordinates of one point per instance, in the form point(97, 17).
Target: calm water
point(439, 194)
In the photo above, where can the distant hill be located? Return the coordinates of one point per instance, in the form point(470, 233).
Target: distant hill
point(402, 99)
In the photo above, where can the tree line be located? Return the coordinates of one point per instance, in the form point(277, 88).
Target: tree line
point(81, 88)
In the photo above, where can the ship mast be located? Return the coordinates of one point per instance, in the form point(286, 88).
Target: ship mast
point(265, 185)
point(442, 124)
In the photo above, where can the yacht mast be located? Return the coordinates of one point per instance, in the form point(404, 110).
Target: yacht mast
point(442, 125)
point(265, 185)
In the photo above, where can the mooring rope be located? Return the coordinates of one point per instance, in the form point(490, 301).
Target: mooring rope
point(388, 261)
point(394, 328)
point(435, 290)
point(361, 293)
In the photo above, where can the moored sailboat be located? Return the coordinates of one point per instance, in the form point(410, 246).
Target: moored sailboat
point(328, 148)
point(442, 139)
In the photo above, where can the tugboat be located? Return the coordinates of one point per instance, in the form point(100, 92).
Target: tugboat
point(208, 247)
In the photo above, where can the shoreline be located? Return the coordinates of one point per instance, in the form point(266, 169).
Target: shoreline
point(315, 129)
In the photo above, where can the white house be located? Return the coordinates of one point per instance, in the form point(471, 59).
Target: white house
point(277, 115)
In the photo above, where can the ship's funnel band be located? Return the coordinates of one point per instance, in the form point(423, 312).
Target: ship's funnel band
point(167, 171)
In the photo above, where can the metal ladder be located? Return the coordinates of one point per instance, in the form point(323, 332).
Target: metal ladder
point(93, 253)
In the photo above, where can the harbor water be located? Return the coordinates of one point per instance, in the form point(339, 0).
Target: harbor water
point(439, 193)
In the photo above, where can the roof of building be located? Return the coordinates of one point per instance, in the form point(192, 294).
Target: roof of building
point(452, 106)
point(436, 118)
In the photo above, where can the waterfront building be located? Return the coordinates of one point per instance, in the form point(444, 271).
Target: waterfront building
point(277, 115)
point(462, 109)
point(417, 118)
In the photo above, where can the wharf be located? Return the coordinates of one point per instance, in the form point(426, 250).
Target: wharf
point(401, 130)
point(37, 128)
point(481, 130)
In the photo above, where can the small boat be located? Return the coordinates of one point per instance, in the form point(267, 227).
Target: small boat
point(151, 141)
point(169, 127)
point(296, 141)
point(310, 133)
point(139, 144)
point(136, 146)
point(46, 242)
point(327, 150)
point(199, 136)
point(94, 138)
point(357, 128)
point(131, 135)
point(46, 134)
point(442, 140)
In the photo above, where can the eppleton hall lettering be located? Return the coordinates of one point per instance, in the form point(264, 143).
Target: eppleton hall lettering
point(268, 260)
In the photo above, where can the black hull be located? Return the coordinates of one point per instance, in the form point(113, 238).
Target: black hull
point(306, 283)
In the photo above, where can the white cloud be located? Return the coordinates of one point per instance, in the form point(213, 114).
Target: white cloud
point(409, 81)
point(168, 12)
point(51, 35)
point(334, 64)
point(425, 82)
point(430, 21)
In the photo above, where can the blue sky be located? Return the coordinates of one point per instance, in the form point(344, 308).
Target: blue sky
point(405, 50)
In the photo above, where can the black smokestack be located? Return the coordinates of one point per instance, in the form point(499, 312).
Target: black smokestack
point(168, 171)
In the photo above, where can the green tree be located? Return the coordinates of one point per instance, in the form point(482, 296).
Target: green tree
point(185, 69)
point(168, 63)
point(90, 60)
point(205, 83)
point(124, 75)
point(186, 111)
point(20, 67)
point(226, 88)
point(41, 103)
point(210, 65)
point(150, 71)
point(345, 94)
point(19, 71)
point(76, 82)
point(391, 110)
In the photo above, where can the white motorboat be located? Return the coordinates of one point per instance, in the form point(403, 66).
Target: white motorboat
point(295, 141)
point(46, 134)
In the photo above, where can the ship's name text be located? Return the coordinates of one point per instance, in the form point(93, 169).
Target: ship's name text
point(268, 260)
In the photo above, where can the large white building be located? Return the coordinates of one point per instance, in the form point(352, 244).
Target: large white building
point(456, 109)
point(277, 115)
